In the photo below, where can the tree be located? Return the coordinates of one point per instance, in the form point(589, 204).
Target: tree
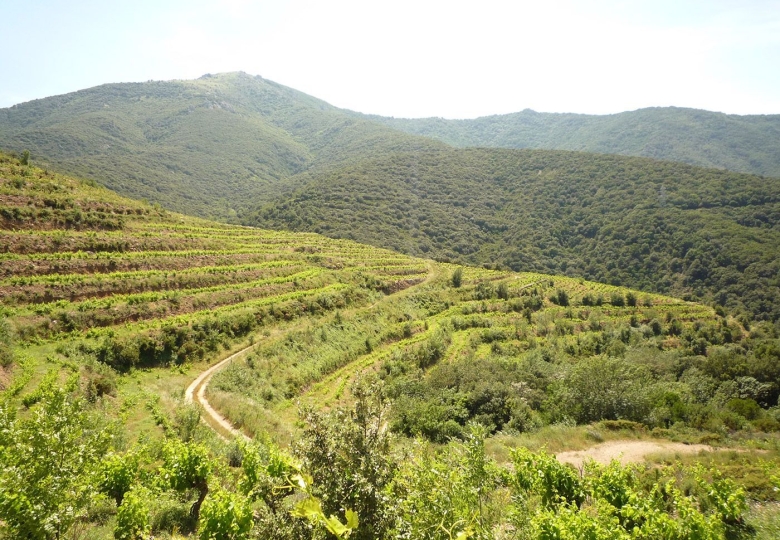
point(187, 466)
point(347, 454)
point(457, 277)
point(25, 159)
point(48, 461)
point(502, 291)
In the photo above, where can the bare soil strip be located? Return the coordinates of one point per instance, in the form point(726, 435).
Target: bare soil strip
point(196, 392)
point(628, 451)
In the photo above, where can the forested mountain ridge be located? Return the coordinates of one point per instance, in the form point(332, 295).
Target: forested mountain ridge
point(204, 147)
point(657, 226)
point(213, 145)
point(749, 144)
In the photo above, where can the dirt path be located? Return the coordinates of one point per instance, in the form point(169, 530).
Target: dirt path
point(196, 392)
point(629, 451)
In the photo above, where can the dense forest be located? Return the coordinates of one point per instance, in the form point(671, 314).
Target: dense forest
point(657, 226)
point(385, 396)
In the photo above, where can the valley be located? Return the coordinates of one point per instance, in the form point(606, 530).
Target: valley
point(363, 378)
point(527, 193)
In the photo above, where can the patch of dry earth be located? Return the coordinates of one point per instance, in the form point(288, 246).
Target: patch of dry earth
point(628, 451)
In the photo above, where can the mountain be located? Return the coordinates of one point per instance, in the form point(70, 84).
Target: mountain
point(205, 147)
point(656, 226)
point(749, 144)
point(240, 148)
point(217, 145)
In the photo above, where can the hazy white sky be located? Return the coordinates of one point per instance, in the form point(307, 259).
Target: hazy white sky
point(413, 58)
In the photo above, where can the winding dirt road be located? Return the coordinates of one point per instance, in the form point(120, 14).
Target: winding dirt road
point(196, 393)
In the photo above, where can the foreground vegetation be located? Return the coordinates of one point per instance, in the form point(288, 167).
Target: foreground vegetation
point(386, 396)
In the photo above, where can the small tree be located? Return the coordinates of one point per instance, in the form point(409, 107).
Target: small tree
point(187, 466)
point(617, 300)
point(560, 298)
point(457, 277)
point(48, 460)
point(347, 453)
point(25, 159)
point(502, 291)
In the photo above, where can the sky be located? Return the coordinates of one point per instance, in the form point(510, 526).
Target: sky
point(413, 59)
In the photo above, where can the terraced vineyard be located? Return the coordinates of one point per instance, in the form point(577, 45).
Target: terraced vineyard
point(113, 307)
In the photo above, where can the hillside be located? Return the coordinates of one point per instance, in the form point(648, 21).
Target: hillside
point(216, 146)
point(112, 307)
point(657, 226)
point(748, 144)
point(205, 147)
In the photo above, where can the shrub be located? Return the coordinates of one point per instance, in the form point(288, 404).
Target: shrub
point(746, 408)
point(602, 388)
point(225, 516)
point(6, 344)
point(117, 474)
point(542, 473)
point(560, 298)
point(457, 278)
point(133, 517)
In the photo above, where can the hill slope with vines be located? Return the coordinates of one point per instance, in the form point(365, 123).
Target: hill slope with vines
point(658, 226)
point(420, 387)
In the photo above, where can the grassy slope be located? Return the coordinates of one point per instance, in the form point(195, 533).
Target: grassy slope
point(84, 268)
point(746, 144)
point(206, 147)
point(657, 226)
point(88, 274)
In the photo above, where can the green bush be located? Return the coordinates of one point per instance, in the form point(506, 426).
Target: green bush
point(603, 388)
point(6, 344)
point(457, 278)
point(747, 408)
point(225, 516)
point(133, 517)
